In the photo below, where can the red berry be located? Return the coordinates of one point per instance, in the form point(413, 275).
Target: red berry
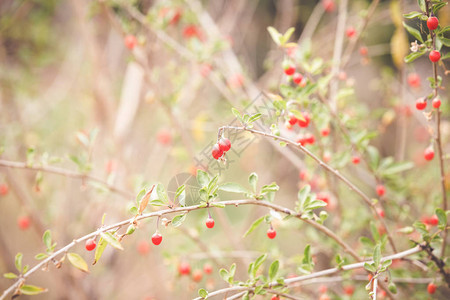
point(184, 268)
point(297, 78)
point(323, 289)
point(210, 222)
point(302, 141)
point(309, 138)
point(363, 51)
point(421, 104)
point(304, 123)
point(197, 275)
point(156, 238)
point(4, 189)
point(433, 220)
point(216, 152)
point(207, 268)
point(431, 288)
point(288, 68)
point(271, 233)
point(436, 102)
point(380, 212)
point(90, 244)
point(356, 159)
point(164, 137)
point(292, 119)
point(350, 32)
point(23, 222)
point(435, 56)
point(428, 154)
point(414, 80)
point(224, 144)
point(328, 5)
point(349, 290)
point(324, 197)
point(275, 297)
point(324, 297)
point(191, 31)
point(432, 23)
point(325, 131)
point(381, 190)
point(130, 41)
point(143, 247)
point(303, 175)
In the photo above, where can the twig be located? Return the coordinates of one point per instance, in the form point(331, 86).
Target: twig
point(66, 173)
point(438, 262)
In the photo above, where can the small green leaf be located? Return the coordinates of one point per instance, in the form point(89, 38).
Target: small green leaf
point(276, 36)
point(412, 15)
point(442, 217)
point(99, 250)
point(131, 229)
point(178, 220)
point(78, 262)
point(273, 270)
point(180, 190)
point(31, 290)
point(386, 263)
point(377, 255)
point(287, 35)
point(203, 293)
point(224, 274)
point(202, 178)
point(406, 230)
point(217, 204)
point(133, 210)
point(392, 288)
point(110, 239)
point(258, 262)
point(40, 256)
point(273, 187)
point(374, 231)
point(10, 275)
point(414, 32)
point(47, 239)
point(161, 192)
point(141, 194)
point(232, 188)
point(370, 267)
point(18, 262)
point(254, 225)
point(413, 56)
point(254, 118)
point(253, 180)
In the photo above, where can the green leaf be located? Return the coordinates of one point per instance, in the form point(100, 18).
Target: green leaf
point(397, 168)
point(258, 262)
point(232, 188)
point(276, 36)
point(110, 239)
point(224, 274)
point(273, 187)
point(254, 118)
point(202, 178)
point(386, 263)
point(237, 114)
point(422, 5)
point(413, 56)
point(254, 225)
point(438, 6)
point(444, 41)
point(370, 267)
point(420, 227)
point(141, 194)
point(303, 194)
point(18, 262)
point(133, 210)
point(412, 15)
point(253, 180)
point(287, 35)
point(161, 192)
point(377, 255)
point(273, 270)
point(180, 190)
point(307, 258)
point(99, 250)
point(374, 231)
point(442, 217)
point(47, 239)
point(78, 262)
point(178, 220)
point(41, 256)
point(406, 230)
point(217, 204)
point(155, 202)
point(392, 288)
point(10, 275)
point(414, 32)
point(203, 293)
point(212, 184)
point(31, 290)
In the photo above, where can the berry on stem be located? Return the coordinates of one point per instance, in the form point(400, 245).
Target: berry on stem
point(349, 290)
point(381, 190)
point(271, 233)
point(436, 102)
point(431, 288)
point(350, 32)
point(90, 244)
point(197, 275)
point(184, 268)
point(304, 123)
point(224, 144)
point(428, 154)
point(435, 56)
point(297, 78)
point(289, 69)
point(209, 222)
point(329, 5)
point(156, 238)
point(130, 41)
point(292, 119)
point(325, 131)
point(363, 51)
point(432, 23)
point(356, 159)
point(216, 152)
point(421, 104)
point(4, 189)
point(275, 297)
point(23, 222)
point(433, 220)
point(207, 268)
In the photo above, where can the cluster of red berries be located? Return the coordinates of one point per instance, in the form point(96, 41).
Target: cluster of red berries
point(306, 139)
point(184, 269)
point(432, 221)
point(289, 70)
point(302, 123)
point(221, 147)
point(421, 103)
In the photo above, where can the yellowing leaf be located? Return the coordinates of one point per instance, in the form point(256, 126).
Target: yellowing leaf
point(110, 239)
point(99, 250)
point(31, 290)
point(78, 262)
point(396, 13)
point(145, 199)
point(399, 47)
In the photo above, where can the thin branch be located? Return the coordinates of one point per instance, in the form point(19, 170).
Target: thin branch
point(66, 173)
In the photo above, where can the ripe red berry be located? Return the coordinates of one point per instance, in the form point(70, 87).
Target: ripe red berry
point(432, 23)
point(197, 275)
point(156, 238)
point(191, 31)
point(4, 189)
point(292, 119)
point(356, 159)
point(328, 5)
point(414, 80)
point(381, 212)
point(309, 138)
point(431, 288)
point(363, 51)
point(350, 32)
point(289, 69)
point(323, 289)
point(164, 137)
point(428, 154)
point(216, 152)
point(304, 123)
point(381, 190)
point(224, 144)
point(325, 131)
point(433, 220)
point(90, 244)
point(207, 268)
point(209, 222)
point(435, 56)
point(143, 247)
point(275, 297)
point(23, 222)
point(436, 102)
point(130, 41)
point(421, 104)
point(349, 290)
point(297, 78)
point(184, 268)
point(324, 197)
point(271, 233)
